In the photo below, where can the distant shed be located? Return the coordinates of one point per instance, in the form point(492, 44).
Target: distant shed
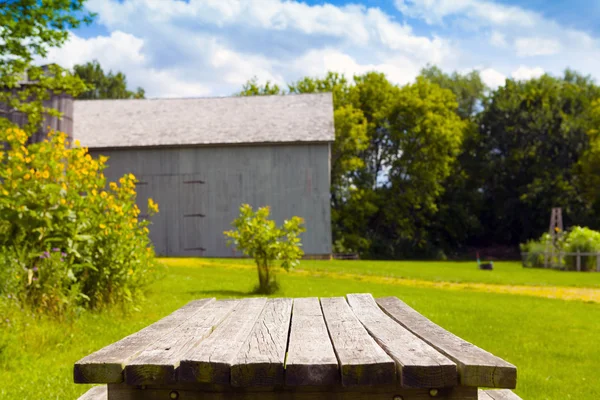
point(200, 159)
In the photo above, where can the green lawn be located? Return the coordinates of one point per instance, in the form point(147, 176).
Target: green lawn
point(554, 343)
point(504, 273)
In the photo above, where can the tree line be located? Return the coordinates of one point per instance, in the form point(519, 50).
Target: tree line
point(429, 169)
point(445, 165)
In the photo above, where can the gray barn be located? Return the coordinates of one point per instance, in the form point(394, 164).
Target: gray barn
point(200, 159)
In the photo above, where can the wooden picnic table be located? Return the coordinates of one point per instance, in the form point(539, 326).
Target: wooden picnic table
point(355, 347)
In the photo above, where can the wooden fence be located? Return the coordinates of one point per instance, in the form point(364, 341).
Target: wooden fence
point(577, 261)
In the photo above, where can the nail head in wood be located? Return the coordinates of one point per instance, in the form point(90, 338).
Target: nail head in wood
point(174, 395)
point(433, 392)
point(398, 398)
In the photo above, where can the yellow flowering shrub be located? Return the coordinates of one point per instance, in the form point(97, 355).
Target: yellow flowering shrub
point(58, 215)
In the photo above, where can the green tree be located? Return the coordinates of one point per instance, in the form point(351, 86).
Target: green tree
point(253, 88)
point(260, 238)
point(421, 136)
point(104, 85)
point(469, 89)
point(459, 207)
point(533, 136)
point(28, 29)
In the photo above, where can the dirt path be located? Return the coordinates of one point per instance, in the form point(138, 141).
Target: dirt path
point(550, 292)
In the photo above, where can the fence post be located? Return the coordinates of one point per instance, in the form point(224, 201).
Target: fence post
point(578, 261)
point(597, 262)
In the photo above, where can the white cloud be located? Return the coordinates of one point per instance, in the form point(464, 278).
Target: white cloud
point(398, 70)
point(513, 32)
point(536, 46)
point(487, 12)
point(498, 39)
point(118, 49)
point(211, 47)
point(492, 78)
point(124, 52)
point(525, 73)
point(214, 46)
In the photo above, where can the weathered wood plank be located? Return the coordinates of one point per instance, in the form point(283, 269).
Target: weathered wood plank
point(106, 365)
point(95, 393)
point(502, 394)
point(260, 362)
point(482, 395)
point(192, 392)
point(419, 364)
point(158, 362)
point(476, 366)
point(311, 359)
point(211, 361)
point(362, 361)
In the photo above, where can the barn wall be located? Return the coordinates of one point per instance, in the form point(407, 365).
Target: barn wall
point(199, 191)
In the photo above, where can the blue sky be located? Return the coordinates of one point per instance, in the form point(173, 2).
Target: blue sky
point(177, 48)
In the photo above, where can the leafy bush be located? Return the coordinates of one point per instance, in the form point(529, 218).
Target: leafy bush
point(577, 239)
point(259, 237)
point(66, 239)
point(535, 252)
point(584, 240)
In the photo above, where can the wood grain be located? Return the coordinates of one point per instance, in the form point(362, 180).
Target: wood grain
point(482, 395)
point(106, 365)
point(211, 361)
point(502, 394)
point(476, 366)
point(361, 360)
point(311, 359)
point(158, 362)
point(191, 392)
point(261, 359)
point(95, 393)
point(419, 364)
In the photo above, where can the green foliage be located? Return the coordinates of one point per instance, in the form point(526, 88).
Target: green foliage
point(29, 29)
point(260, 238)
point(584, 240)
point(67, 240)
point(419, 138)
point(469, 89)
point(104, 85)
point(532, 137)
point(535, 252)
point(253, 88)
point(575, 240)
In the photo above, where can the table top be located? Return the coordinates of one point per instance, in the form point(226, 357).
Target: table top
point(347, 341)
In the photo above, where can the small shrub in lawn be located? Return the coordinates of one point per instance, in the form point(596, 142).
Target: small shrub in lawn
point(66, 239)
point(535, 250)
point(260, 238)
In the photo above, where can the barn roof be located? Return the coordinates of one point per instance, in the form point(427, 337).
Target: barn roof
point(204, 121)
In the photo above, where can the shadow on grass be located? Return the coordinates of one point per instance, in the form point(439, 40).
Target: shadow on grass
point(221, 293)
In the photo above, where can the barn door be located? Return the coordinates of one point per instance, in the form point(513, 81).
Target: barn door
point(192, 205)
point(153, 187)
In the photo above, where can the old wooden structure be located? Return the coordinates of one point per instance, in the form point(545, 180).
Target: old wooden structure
point(61, 102)
point(202, 158)
point(308, 348)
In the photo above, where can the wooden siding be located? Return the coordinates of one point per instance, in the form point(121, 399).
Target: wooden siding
point(199, 191)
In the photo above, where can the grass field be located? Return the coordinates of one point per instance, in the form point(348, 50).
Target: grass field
point(554, 343)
